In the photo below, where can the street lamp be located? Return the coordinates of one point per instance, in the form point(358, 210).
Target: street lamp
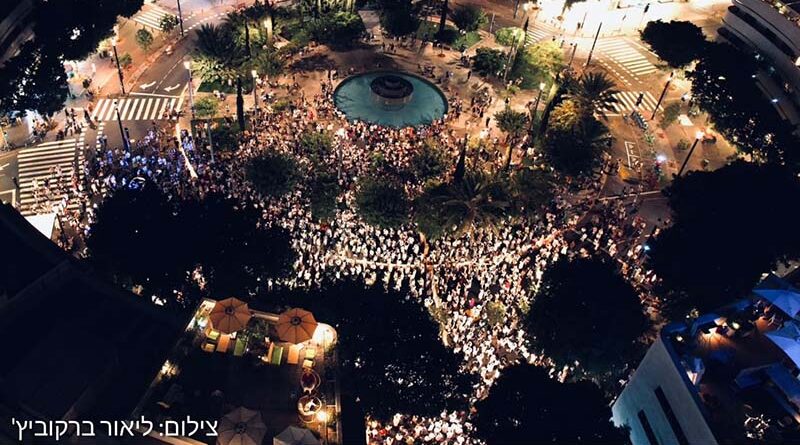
point(119, 68)
point(697, 136)
point(536, 105)
point(255, 94)
point(322, 416)
point(663, 92)
point(188, 65)
point(121, 130)
point(180, 17)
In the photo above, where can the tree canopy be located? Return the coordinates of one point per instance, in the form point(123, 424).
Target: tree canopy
point(509, 36)
point(729, 226)
point(468, 18)
point(526, 406)
point(382, 203)
point(724, 85)
point(585, 311)
point(678, 43)
point(489, 62)
point(390, 354)
point(272, 174)
point(574, 141)
point(536, 64)
point(34, 79)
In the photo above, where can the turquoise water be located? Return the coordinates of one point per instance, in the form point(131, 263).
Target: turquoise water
point(354, 97)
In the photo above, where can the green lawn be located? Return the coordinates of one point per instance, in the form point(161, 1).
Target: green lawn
point(452, 36)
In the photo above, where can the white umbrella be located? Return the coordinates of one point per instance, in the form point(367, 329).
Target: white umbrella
point(241, 426)
point(786, 300)
point(787, 339)
point(295, 436)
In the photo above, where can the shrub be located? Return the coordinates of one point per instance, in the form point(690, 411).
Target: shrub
point(272, 174)
point(382, 204)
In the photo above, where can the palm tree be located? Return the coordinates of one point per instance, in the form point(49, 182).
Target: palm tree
point(594, 93)
point(216, 42)
point(475, 201)
point(514, 124)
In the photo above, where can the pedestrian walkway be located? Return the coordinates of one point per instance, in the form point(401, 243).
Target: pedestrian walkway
point(151, 17)
point(626, 56)
point(44, 168)
point(626, 102)
point(537, 35)
point(135, 108)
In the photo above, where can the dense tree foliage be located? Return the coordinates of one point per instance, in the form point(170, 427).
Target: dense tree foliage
point(400, 18)
point(143, 239)
point(468, 18)
point(138, 239)
point(324, 192)
point(510, 36)
point(724, 85)
point(536, 64)
point(34, 79)
point(730, 226)
point(573, 141)
point(390, 354)
point(237, 255)
point(489, 62)
point(382, 203)
point(476, 201)
point(678, 43)
point(339, 29)
point(526, 406)
point(585, 311)
point(272, 174)
point(530, 189)
point(429, 162)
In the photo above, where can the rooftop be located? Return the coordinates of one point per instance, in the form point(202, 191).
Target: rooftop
point(79, 348)
point(211, 373)
point(744, 366)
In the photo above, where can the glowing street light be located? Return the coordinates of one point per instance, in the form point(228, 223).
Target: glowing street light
point(119, 68)
point(188, 65)
point(697, 136)
point(254, 73)
point(663, 93)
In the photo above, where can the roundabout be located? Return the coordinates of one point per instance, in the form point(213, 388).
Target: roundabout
point(390, 98)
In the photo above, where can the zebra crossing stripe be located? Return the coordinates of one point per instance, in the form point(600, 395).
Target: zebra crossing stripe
point(626, 101)
point(147, 108)
point(151, 18)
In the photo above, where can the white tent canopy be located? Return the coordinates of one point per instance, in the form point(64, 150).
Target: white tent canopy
point(786, 300)
point(787, 339)
point(44, 223)
point(295, 436)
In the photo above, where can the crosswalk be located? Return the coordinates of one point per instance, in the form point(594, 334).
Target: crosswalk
point(47, 166)
point(626, 56)
point(536, 35)
point(134, 109)
point(151, 17)
point(626, 102)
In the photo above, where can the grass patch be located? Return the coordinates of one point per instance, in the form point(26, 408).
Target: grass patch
point(210, 87)
point(451, 36)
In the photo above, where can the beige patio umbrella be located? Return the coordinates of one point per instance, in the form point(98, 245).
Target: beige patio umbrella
point(295, 436)
point(229, 315)
point(241, 426)
point(296, 325)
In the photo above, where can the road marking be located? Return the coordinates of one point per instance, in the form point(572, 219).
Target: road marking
point(39, 164)
point(4, 166)
point(169, 89)
point(152, 17)
point(145, 86)
point(138, 108)
point(634, 161)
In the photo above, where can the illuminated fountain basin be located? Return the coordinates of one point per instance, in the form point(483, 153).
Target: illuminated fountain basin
point(390, 98)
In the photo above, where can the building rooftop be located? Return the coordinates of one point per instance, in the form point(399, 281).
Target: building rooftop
point(743, 361)
point(77, 347)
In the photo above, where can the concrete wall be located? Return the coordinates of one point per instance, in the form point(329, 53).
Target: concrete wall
point(15, 28)
point(659, 369)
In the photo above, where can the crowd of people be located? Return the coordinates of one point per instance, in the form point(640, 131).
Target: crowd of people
point(461, 279)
